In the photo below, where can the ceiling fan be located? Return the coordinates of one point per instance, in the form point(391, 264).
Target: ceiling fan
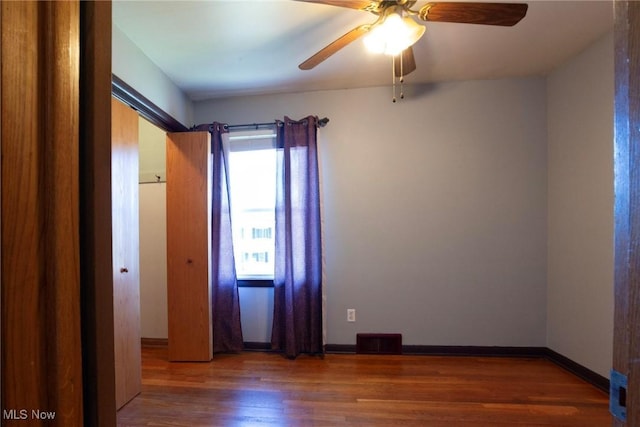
point(399, 18)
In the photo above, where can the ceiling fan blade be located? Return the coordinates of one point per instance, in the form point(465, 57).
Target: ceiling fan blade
point(408, 63)
point(351, 4)
point(334, 46)
point(504, 14)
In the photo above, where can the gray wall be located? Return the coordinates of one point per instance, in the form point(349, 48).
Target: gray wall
point(580, 268)
point(434, 209)
point(130, 64)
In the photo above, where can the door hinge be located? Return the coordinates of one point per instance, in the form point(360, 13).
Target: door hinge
point(618, 395)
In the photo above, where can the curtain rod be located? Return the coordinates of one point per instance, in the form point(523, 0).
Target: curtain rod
point(321, 123)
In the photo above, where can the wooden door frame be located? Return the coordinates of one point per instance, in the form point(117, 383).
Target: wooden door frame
point(97, 86)
point(95, 209)
point(58, 354)
point(41, 319)
point(626, 350)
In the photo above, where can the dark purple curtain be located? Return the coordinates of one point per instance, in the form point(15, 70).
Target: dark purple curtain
point(297, 319)
point(227, 333)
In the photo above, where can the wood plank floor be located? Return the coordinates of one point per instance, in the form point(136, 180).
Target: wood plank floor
point(265, 389)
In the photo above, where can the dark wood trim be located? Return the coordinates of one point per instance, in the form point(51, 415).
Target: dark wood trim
point(144, 106)
point(164, 342)
point(256, 346)
point(578, 370)
point(154, 342)
point(472, 350)
point(96, 270)
point(340, 348)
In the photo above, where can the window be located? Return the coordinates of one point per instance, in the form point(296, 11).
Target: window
point(252, 188)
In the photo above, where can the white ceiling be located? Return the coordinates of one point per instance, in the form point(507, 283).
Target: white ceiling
point(213, 49)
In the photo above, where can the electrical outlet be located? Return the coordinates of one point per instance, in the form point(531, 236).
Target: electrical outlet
point(351, 314)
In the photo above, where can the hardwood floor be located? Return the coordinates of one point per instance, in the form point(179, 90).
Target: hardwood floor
point(265, 389)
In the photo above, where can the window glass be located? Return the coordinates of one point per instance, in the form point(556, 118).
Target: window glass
point(252, 185)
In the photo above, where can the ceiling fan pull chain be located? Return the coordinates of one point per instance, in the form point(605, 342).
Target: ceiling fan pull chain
point(393, 76)
point(401, 75)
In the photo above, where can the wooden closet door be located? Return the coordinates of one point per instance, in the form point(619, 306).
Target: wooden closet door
point(125, 247)
point(188, 246)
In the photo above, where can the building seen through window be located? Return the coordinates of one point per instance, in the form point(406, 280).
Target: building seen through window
point(253, 243)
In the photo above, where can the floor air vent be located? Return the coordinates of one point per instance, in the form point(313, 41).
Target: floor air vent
point(379, 343)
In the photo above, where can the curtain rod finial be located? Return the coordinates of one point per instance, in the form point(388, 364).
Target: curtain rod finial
point(323, 122)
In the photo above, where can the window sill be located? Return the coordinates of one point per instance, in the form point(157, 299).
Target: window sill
point(255, 283)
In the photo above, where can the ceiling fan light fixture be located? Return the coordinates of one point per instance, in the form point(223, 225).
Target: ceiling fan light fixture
point(393, 35)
